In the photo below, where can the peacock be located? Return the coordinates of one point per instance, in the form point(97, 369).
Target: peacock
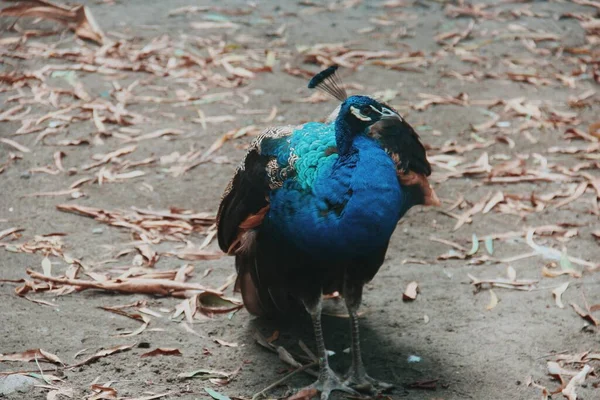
point(311, 210)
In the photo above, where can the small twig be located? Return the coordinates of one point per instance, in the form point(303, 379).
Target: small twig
point(41, 371)
point(285, 378)
point(307, 351)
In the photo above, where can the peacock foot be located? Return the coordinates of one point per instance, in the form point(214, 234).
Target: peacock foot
point(329, 382)
point(364, 383)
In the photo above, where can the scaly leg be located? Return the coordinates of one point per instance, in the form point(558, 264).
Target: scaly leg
point(357, 376)
point(328, 381)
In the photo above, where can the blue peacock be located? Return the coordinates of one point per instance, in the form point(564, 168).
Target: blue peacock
point(311, 210)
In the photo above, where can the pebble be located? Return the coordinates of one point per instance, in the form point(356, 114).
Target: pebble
point(16, 383)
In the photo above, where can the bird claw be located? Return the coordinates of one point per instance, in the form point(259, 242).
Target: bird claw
point(329, 382)
point(365, 384)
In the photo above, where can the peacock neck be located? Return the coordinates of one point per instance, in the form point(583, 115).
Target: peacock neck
point(345, 134)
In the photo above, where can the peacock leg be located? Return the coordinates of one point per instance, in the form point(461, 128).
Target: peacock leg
point(328, 381)
point(357, 376)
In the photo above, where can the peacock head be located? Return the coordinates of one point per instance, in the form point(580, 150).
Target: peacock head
point(356, 115)
point(360, 112)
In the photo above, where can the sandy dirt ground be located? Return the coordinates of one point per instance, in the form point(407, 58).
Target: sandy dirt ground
point(504, 94)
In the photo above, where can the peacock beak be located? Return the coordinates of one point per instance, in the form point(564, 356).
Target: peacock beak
point(386, 113)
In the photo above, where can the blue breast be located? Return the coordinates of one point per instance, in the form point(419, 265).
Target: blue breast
point(336, 206)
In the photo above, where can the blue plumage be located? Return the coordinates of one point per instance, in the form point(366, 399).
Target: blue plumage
point(336, 206)
point(311, 211)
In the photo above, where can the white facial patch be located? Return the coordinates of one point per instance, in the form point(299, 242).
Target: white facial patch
point(386, 112)
point(358, 114)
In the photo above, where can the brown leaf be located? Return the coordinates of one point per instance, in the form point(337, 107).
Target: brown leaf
point(273, 337)
point(429, 384)
point(162, 351)
point(586, 314)
point(594, 130)
point(101, 354)
point(31, 355)
point(210, 303)
point(10, 231)
point(304, 394)
point(78, 18)
point(162, 287)
point(150, 256)
point(14, 144)
point(104, 393)
point(411, 291)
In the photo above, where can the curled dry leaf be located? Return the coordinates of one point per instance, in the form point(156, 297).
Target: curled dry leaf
point(162, 351)
point(545, 392)
point(577, 380)
point(14, 144)
point(78, 18)
point(586, 314)
point(411, 291)
point(211, 303)
point(103, 393)
point(558, 292)
point(11, 231)
point(493, 301)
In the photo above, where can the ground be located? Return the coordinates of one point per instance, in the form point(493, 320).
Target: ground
point(511, 137)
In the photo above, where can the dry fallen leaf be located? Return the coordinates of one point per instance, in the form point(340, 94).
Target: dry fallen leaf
point(78, 18)
point(558, 292)
point(493, 301)
point(162, 287)
point(411, 291)
point(586, 314)
point(225, 343)
point(211, 303)
point(16, 145)
point(31, 355)
point(304, 394)
point(162, 351)
point(577, 380)
point(103, 393)
point(101, 354)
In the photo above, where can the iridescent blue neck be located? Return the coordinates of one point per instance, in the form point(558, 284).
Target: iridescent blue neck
point(346, 132)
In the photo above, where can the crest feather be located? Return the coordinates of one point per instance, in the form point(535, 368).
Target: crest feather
point(329, 82)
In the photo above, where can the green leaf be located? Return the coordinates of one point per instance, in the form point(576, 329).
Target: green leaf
point(216, 395)
point(475, 247)
point(489, 245)
point(565, 263)
point(216, 18)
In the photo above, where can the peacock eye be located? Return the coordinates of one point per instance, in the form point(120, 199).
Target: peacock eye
point(367, 110)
